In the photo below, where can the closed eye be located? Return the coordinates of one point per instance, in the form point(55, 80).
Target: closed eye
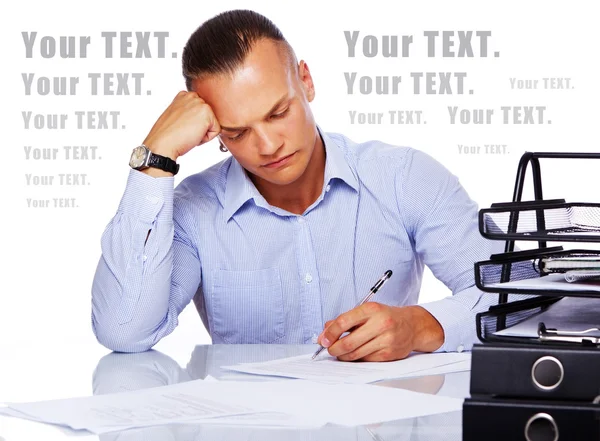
point(280, 114)
point(274, 116)
point(237, 137)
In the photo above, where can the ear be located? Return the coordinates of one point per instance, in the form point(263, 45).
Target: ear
point(306, 80)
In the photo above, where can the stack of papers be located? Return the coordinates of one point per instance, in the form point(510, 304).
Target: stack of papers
point(575, 267)
point(296, 403)
point(324, 391)
point(550, 282)
point(565, 263)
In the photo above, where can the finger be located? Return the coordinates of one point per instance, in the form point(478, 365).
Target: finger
point(385, 347)
point(360, 352)
point(344, 323)
point(380, 348)
point(214, 128)
point(386, 354)
point(213, 131)
point(187, 97)
point(353, 341)
point(327, 324)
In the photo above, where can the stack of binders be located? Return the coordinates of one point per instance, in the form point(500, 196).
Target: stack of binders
point(536, 374)
point(534, 394)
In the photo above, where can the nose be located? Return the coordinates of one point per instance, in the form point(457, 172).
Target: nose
point(268, 141)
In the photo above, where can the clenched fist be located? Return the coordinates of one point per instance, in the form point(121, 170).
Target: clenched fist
point(185, 124)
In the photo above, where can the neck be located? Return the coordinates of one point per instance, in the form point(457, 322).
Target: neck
point(304, 191)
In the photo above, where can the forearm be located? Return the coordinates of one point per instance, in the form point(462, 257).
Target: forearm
point(159, 147)
point(131, 289)
point(456, 316)
point(134, 303)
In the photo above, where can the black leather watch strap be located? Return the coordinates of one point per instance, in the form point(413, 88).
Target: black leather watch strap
point(163, 163)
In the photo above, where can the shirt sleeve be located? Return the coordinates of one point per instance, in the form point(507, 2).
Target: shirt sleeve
point(149, 269)
point(442, 222)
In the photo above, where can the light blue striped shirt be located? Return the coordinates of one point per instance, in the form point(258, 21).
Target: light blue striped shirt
point(260, 274)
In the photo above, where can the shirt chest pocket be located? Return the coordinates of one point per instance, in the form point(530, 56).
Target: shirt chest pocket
point(248, 306)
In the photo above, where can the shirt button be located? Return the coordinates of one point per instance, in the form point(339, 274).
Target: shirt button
point(328, 187)
point(144, 257)
point(301, 220)
point(460, 348)
point(308, 278)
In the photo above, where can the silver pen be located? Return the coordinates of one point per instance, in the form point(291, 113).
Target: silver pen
point(371, 293)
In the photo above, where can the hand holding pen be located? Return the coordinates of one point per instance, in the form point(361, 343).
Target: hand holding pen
point(368, 297)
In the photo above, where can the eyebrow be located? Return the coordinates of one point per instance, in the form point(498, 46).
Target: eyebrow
point(279, 102)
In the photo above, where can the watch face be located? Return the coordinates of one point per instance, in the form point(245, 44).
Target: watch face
point(138, 157)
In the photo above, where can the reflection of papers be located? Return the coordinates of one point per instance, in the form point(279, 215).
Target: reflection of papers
point(551, 281)
point(270, 403)
point(133, 409)
point(331, 370)
point(568, 314)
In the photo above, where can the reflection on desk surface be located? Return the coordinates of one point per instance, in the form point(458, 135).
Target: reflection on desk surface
point(117, 372)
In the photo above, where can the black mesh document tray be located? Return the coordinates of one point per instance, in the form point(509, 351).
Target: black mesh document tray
point(502, 271)
point(551, 220)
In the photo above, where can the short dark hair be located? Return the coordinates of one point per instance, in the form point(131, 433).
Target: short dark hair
point(221, 44)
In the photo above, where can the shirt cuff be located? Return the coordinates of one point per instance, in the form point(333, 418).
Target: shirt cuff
point(456, 315)
point(148, 198)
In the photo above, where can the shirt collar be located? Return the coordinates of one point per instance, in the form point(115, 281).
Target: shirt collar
point(240, 189)
point(336, 164)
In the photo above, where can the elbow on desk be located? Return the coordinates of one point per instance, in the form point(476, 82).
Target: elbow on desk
point(119, 338)
point(112, 328)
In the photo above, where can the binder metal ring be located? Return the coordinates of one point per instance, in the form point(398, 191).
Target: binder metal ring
point(556, 362)
point(538, 417)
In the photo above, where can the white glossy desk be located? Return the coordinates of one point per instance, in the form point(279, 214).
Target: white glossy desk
point(82, 370)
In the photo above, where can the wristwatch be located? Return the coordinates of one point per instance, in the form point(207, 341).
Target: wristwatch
point(142, 158)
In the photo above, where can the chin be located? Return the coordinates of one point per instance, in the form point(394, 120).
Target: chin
point(286, 176)
point(283, 180)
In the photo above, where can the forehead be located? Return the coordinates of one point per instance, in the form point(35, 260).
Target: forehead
point(263, 78)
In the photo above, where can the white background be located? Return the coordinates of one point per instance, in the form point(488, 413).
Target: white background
point(49, 255)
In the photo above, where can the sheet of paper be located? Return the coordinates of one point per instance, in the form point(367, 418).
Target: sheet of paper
point(183, 402)
point(551, 281)
point(259, 419)
point(328, 369)
point(270, 403)
point(460, 366)
point(352, 404)
point(568, 314)
point(7, 411)
point(255, 420)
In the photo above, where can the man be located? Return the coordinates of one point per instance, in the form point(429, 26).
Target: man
point(278, 243)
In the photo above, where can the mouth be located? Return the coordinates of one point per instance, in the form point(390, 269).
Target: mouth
point(279, 162)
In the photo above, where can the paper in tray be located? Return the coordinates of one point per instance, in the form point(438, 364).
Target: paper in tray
point(522, 272)
point(510, 314)
point(553, 220)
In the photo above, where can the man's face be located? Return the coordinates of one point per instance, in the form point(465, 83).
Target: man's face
point(266, 121)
